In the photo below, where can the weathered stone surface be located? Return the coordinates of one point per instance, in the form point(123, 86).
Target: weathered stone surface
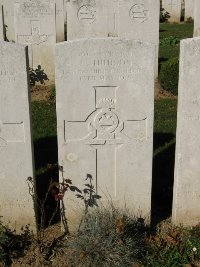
point(196, 18)
point(35, 26)
point(59, 18)
point(139, 19)
point(9, 17)
point(105, 92)
point(132, 19)
point(16, 205)
point(189, 9)
point(1, 24)
point(174, 9)
point(87, 18)
point(8, 7)
point(186, 208)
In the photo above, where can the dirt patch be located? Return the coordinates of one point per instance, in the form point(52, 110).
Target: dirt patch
point(42, 93)
point(45, 253)
point(160, 93)
point(47, 93)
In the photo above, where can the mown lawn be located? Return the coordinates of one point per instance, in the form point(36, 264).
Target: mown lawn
point(172, 32)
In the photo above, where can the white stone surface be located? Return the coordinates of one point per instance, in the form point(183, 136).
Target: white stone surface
point(174, 9)
point(86, 18)
point(196, 18)
point(8, 6)
point(139, 19)
point(35, 26)
point(1, 24)
point(186, 208)
point(9, 17)
point(59, 18)
point(105, 95)
point(16, 157)
point(189, 9)
point(132, 19)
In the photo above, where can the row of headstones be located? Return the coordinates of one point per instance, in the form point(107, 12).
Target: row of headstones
point(175, 7)
point(105, 110)
point(40, 24)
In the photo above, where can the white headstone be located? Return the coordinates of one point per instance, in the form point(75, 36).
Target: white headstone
point(196, 18)
point(16, 157)
point(174, 9)
point(139, 19)
point(87, 18)
point(1, 24)
point(132, 19)
point(60, 37)
point(8, 7)
point(105, 92)
point(189, 9)
point(9, 17)
point(35, 26)
point(186, 208)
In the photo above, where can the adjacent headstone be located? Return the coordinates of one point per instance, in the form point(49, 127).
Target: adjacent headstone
point(2, 36)
point(10, 23)
point(35, 26)
point(189, 9)
point(16, 157)
point(139, 19)
point(196, 18)
point(132, 19)
point(105, 95)
point(86, 18)
point(8, 7)
point(174, 9)
point(60, 37)
point(186, 208)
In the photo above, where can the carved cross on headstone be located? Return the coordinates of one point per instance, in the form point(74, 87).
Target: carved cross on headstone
point(105, 131)
point(35, 37)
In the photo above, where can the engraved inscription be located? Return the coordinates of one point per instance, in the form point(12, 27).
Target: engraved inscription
point(87, 14)
point(35, 9)
point(138, 13)
point(102, 66)
point(8, 76)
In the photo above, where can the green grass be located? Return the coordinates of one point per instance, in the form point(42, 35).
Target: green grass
point(179, 31)
point(43, 119)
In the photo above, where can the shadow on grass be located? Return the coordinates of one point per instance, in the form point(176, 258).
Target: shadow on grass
point(162, 30)
point(46, 164)
point(160, 62)
point(163, 178)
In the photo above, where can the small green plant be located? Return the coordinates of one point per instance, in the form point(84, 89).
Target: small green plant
point(164, 15)
point(169, 41)
point(190, 20)
point(88, 194)
point(169, 75)
point(37, 76)
point(173, 246)
point(53, 93)
point(13, 245)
